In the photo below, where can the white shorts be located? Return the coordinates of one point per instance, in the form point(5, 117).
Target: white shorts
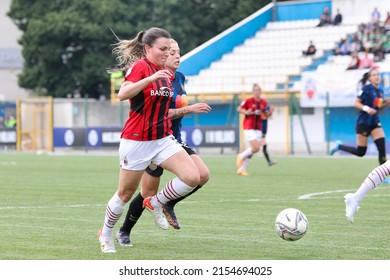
point(252, 134)
point(137, 155)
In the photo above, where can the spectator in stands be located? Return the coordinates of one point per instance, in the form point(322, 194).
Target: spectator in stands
point(367, 39)
point(2, 125)
point(377, 50)
point(386, 23)
point(311, 49)
point(360, 32)
point(375, 16)
point(356, 44)
point(386, 44)
point(338, 18)
point(355, 61)
point(366, 61)
point(343, 47)
point(325, 18)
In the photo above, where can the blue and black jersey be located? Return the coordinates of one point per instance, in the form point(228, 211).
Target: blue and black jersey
point(178, 89)
point(374, 98)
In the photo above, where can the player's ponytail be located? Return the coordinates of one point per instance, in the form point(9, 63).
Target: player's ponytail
point(129, 51)
point(365, 77)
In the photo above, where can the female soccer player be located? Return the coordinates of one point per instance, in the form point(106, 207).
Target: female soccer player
point(252, 107)
point(151, 178)
point(147, 136)
point(369, 101)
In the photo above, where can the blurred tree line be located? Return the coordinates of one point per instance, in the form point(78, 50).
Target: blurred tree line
point(67, 44)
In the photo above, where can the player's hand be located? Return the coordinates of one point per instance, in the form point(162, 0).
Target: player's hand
point(199, 108)
point(257, 112)
point(162, 74)
point(249, 112)
point(371, 111)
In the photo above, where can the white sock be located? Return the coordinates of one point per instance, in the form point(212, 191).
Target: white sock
point(114, 210)
point(175, 188)
point(373, 180)
point(246, 153)
point(246, 163)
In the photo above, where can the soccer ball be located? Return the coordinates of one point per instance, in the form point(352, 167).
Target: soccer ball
point(291, 224)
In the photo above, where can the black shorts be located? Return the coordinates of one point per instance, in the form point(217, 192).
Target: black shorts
point(158, 171)
point(365, 130)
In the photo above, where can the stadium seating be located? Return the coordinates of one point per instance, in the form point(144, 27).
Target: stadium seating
point(270, 57)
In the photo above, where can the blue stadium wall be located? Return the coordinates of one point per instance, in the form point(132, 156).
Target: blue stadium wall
point(343, 121)
point(301, 10)
point(342, 127)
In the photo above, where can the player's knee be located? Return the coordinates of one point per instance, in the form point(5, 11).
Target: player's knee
point(125, 194)
point(191, 179)
point(361, 151)
point(204, 177)
point(145, 192)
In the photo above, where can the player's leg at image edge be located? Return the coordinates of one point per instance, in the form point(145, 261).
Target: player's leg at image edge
point(375, 178)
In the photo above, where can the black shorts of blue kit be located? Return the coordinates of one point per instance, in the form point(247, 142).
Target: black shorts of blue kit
point(158, 171)
point(365, 130)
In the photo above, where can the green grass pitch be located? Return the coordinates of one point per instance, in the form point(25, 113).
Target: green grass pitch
point(52, 207)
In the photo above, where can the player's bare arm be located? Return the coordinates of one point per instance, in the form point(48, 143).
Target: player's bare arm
point(197, 108)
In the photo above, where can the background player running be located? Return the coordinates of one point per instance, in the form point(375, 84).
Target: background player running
point(252, 107)
point(370, 101)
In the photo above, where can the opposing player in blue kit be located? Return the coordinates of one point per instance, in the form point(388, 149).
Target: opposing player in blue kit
point(370, 101)
point(264, 128)
point(151, 177)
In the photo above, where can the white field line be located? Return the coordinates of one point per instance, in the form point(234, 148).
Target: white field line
point(312, 195)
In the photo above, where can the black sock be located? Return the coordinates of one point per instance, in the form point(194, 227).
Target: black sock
point(359, 151)
point(173, 202)
point(265, 152)
point(135, 211)
point(380, 144)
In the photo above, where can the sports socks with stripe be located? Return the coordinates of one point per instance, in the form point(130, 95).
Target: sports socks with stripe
point(373, 179)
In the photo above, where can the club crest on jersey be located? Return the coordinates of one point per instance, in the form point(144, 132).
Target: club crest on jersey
point(163, 91)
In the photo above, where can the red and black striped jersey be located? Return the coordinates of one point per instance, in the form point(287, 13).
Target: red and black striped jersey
point(148, 116)
point(258, 107)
